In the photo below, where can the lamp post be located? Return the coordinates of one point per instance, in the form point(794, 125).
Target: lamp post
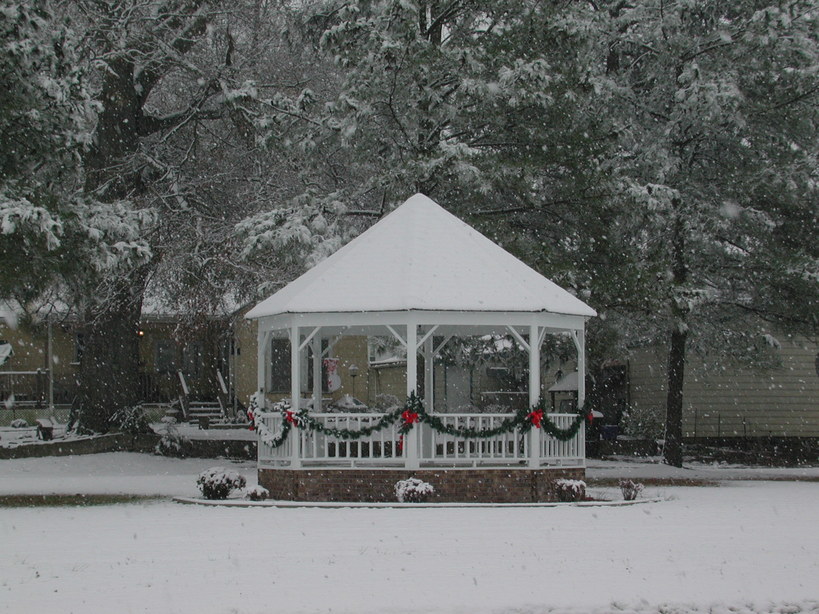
point(353, 371)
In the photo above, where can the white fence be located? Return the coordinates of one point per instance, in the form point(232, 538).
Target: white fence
point(388, 448)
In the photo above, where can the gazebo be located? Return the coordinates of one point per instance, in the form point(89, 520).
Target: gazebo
point(422, 276)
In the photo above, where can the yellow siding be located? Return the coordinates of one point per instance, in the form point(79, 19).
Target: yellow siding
point(737, 402)
point(30, 344)
point(245, 347)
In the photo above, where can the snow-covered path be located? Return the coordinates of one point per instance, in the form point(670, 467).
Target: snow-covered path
point(738, 543)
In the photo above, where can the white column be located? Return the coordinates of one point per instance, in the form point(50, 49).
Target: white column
point(411, 439)
point(295, 394)
point(315, 347)
point(535, 434)
point(580, 342)
point(429, 374)
point(263, 341)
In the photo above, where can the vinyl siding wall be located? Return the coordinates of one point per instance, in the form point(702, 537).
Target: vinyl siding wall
point(782, 402)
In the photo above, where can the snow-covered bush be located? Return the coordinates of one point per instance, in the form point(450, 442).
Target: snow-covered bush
point(386, 402)
point(569, 490)
point(171, 442)
point(413, 490)
point(257, 493)
point(630, 489)
point(218, 482)
point(644, 423)
point(19, 423)
point(131, 420)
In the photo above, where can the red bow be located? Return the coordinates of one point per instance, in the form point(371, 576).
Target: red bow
point(252, 419)
point(536, 417)
point(290, 417)
point(590, 417)
point(409, 417)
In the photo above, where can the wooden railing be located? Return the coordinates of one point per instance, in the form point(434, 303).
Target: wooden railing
point(24, 388)
point(387, 448)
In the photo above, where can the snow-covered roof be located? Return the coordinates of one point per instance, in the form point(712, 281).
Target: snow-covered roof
point(6, 352)
point(421, 257)
point(567, 383)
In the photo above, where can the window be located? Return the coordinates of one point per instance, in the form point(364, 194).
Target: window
point(165, 356)
point(79, 347)
point(280, 367)
point(192, 360)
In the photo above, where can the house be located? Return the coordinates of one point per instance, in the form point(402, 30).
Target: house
point(46, 347)
point(730, 402)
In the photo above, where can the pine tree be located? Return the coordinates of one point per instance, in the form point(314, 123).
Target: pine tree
point(43, 107)
point(715, 108)
point(470, 103)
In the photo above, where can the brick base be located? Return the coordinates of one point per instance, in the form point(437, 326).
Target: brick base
point(451, 485)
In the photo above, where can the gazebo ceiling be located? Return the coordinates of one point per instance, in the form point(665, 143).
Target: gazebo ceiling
point(420, 258)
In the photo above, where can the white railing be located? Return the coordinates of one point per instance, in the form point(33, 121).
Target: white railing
point(506, 448)
point(387, 448)
point(571, 452)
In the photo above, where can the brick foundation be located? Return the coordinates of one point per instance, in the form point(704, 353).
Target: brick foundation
point(451, 485)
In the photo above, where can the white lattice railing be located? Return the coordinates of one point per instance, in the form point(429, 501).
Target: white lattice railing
point(387, 448)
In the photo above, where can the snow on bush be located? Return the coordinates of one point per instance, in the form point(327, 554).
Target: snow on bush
point(171, 442)
point(630, 489)
point(569, 490)
point(131, 420)
point(19, 423)
point(644, 423)
point(413, 490)
point(257, 493)
point(218, 482)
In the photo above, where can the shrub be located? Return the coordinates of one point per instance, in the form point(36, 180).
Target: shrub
point(644, 423)
point(569, 490)
point(131, 420)
point(19, 423)
point(386, 402)
point(413, 490)
point(171, 443)
point(257, 493)
point(218, 482)
point(630, 489)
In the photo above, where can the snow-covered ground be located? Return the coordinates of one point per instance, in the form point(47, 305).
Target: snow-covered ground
point(714, 548)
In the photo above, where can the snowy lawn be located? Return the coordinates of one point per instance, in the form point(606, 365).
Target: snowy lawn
point(743, 542)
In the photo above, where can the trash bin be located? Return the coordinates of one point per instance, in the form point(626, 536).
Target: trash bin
point(45, 429)
point(609, 432)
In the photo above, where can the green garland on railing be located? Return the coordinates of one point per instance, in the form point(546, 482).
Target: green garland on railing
point(413, 412)
point(303, 418)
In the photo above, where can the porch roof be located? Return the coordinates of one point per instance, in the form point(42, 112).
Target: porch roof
point(421, 258)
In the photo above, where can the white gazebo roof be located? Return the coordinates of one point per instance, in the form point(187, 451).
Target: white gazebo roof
point(421, 258)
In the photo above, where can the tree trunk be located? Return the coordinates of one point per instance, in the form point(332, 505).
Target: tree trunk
point(672, 452)
point(109, 366)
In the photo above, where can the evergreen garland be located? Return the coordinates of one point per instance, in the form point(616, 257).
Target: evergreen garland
point(413, 411)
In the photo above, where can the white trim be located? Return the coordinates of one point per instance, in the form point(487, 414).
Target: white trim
point(399, 319)
point(426, 336)
point(519, 338)
point(397, 335)
point(441, 346)
point(309, 338)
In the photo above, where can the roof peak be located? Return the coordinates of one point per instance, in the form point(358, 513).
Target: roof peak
point(421, 257)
